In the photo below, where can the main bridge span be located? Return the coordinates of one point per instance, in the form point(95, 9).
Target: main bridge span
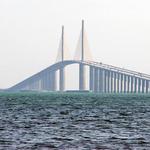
point(103, 78)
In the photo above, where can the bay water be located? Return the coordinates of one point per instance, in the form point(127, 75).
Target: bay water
point(32, 120)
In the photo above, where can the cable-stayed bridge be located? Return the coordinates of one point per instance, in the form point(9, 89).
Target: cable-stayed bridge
point(103, 78)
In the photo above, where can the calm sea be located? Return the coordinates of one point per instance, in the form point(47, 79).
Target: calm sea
point(74, 121)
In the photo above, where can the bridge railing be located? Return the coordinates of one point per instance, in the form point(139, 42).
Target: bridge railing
point(118, 69)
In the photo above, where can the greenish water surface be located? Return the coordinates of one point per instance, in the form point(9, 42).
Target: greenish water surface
point(74, 121)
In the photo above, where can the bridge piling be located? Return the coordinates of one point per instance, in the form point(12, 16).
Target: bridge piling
point(135, 84)
point(115, 82)
point(128, 84)
point(91, 78)
point(62, 79)
point(118, 82)
point(147, 86)
point(121, 86)
point(111, 81)
point(82, 79)
point(96, 83)
point(108, 81)
point(105, 81)
point(53, 81)
point(143, 86)
point(100, 80)
point(139, 85)
point(132, 84)
point(125, 83)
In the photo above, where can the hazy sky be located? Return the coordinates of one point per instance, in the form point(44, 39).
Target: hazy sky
point(118, 32)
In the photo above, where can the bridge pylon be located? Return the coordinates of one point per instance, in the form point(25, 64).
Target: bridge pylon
point(82, 53)
point(82, 76)
point(62, 55)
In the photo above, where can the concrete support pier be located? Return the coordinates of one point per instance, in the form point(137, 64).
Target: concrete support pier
point(115, 82)
point(125, 83)
point(53, 81)
point(131, 84)
point(105, 81)
point(91, 78)
point(82, 79)
point(143, 86)
point(111, 82)
point(139, 85)
point(128, 84)
point(147, 86)
point(62, 79)
point(121, 86)
point(108, 81)
point(101, 80)
point(118, 82)
point(135, 85)
point(96, 80)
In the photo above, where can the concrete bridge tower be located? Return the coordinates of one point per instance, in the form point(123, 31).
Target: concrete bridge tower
point(62, 70)
point(82, 76)
point(62, 55)
point(83, 54)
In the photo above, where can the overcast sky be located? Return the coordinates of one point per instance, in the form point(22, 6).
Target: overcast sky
point(118, 32)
